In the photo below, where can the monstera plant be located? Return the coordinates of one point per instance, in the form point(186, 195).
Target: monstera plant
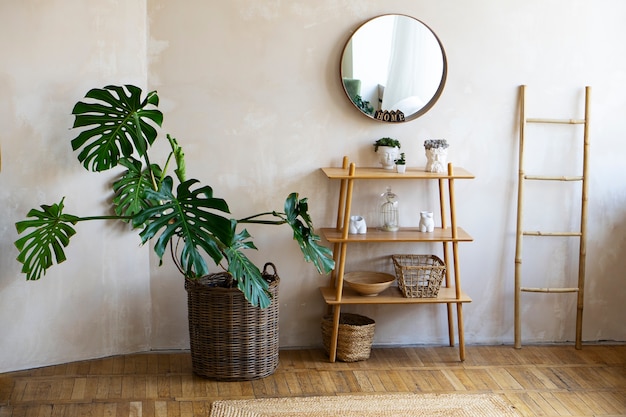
point(116, 129)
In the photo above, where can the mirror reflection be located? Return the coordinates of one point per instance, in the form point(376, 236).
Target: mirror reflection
point(393, 68)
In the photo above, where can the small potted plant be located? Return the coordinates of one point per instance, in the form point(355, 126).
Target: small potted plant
point(389, 150)
point(436, 155)
point(401, 164)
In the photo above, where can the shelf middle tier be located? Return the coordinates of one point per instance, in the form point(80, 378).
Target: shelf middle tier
point(392, 295)
point(405, 234)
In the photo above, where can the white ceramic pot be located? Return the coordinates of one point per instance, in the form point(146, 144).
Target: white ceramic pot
point(436, 159)
point(387, 156)
point(427, 224)
point(357, 225)
point(401, 169)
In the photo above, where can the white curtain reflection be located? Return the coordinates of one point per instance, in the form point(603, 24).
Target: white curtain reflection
point(415, 67)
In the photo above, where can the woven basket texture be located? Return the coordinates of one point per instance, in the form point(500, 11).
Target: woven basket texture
point(230, 339)
point(356, 334)
point(419, 276)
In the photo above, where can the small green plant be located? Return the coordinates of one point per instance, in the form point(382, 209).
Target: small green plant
point(435, 143)
point(394, 143)
point(363, 105)
point(401, 160)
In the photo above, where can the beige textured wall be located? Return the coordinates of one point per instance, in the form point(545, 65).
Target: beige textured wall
point(97, 303)
point(251, 90)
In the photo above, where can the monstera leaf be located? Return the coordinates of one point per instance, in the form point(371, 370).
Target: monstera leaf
point(130, 188)
point(297, 216)
point(189, 215)
point(52, 232)
point(117, 123)
point(248, 276)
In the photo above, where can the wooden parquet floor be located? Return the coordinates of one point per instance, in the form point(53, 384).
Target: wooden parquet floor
point(538, 380)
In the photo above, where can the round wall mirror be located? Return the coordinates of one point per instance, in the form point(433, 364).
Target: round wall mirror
point(393, 68)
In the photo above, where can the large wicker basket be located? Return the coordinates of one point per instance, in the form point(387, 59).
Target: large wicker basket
point(230, 339)
point(356, 334)
point(419, 276)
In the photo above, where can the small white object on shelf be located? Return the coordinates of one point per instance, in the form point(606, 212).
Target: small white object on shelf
point(427, 224)
point(388, 211)
point(357, 225)
point(436, 155)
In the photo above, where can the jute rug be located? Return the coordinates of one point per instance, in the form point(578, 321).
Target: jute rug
point(396, 405)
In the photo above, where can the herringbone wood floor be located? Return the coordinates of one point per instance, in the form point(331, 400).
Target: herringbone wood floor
point(538, 380)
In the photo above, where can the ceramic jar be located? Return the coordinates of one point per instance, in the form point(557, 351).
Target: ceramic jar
point(436, 159)
point(427, 224)
point(387, 156)
point(357, 225)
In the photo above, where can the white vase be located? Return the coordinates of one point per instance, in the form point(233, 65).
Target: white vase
point(436, 159)
point(427, 224)
point(357, 225)
point(387, 156)
point(401, 169)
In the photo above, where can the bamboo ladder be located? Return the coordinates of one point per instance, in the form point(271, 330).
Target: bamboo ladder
point(581, 234)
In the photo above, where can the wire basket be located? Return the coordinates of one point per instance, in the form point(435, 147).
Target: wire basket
point(355, 337)
point(419, 276)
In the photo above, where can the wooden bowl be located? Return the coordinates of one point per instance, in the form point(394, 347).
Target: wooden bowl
point(369, 284)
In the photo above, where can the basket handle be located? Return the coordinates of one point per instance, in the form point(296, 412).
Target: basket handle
point(273, 267)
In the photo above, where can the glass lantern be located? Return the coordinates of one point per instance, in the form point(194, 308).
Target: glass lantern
point(388, 211)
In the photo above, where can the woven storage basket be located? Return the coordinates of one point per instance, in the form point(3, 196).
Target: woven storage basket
point(419, 276)
point(230, 339)
point(356, 334)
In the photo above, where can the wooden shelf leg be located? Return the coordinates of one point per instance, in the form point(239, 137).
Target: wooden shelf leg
point(450, 324)
point(459, 314)
point(446, 257)
point(335, 335)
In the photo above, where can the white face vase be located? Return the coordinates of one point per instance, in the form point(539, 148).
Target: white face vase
point(387, 156)
point(436, 159)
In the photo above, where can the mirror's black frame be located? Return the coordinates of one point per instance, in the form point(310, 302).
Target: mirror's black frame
point(429, 104)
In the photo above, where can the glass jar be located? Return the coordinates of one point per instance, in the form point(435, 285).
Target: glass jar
point(388, 211)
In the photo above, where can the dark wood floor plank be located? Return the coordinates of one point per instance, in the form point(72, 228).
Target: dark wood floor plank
point(173, 409)
point(293, 384)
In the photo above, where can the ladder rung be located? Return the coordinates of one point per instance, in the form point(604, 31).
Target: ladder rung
point(538, 233)
point(557, 121)
point(549, 290)
point(552, 178)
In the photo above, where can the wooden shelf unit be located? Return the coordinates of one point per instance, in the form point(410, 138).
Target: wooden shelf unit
point(449, 234)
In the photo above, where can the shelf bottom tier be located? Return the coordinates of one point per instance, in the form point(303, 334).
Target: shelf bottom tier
point(392, 295)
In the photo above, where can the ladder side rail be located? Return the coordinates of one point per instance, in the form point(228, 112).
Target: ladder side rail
point(582, 258)
point(519, 235)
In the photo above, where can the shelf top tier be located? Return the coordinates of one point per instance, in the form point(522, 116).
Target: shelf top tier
point(411, 173)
